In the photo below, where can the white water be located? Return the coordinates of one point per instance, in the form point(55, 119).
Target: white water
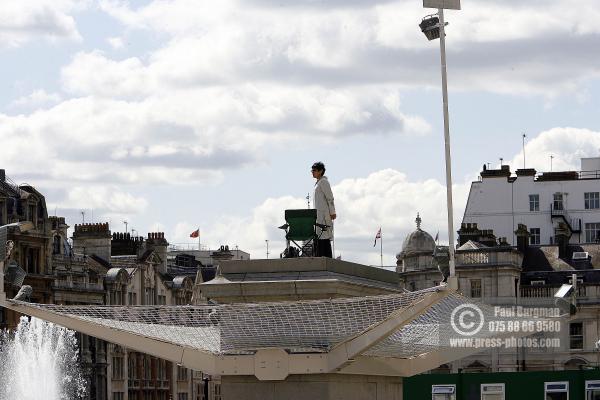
point(40, 361)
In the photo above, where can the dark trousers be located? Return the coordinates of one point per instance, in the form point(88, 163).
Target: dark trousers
point(324, 248)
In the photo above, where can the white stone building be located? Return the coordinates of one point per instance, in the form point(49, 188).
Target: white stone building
point(551, 203)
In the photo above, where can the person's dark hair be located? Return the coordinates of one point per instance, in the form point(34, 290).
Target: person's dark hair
point(319, 166)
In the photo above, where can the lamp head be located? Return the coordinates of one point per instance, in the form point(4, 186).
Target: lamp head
point(22, 226)
point(430, 26)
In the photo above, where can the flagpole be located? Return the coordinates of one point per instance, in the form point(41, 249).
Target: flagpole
point(381, 247)
point(199, 247)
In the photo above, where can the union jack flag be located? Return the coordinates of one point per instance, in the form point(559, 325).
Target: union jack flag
point(377, 236)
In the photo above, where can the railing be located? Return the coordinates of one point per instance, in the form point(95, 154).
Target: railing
point(486, 257)
point(188, 247)
point(548, 291)
point(593, 174)
point(61, 284)
point(68, 259)
point(573, 223)
point(589, 174)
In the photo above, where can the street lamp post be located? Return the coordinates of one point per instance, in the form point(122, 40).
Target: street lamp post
point(434, 30)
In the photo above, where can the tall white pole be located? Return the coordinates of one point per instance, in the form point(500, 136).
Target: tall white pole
point(381, 247)
point(447, 144)
point(524, 136)
point(2, 294)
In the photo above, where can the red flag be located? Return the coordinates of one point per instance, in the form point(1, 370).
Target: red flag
point(378, 236)
point(195, 234)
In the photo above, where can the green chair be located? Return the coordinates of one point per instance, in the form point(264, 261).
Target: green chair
point(301, 226)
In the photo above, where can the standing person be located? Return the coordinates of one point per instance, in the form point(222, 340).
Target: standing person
point(323, 200)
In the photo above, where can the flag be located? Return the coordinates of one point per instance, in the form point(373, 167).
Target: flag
point(195, 234)
point(377, 236)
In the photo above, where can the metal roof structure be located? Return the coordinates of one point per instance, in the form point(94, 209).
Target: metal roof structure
point(395, 335)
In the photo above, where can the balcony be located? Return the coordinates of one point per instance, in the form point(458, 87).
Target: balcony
point(558, 211)
point(488, 257)
point(548, 291)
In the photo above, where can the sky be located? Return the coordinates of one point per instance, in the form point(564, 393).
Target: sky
point(185, 114)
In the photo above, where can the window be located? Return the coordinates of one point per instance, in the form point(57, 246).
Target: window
point(558, 201)
point(443, 392)
point(2, 213)
point(592, 390)
point(592, 232)
point(56, 245)
point(556, 390)
point(492, 391)
point(32, 214)
point(534, 202)
point(182, 396)
point(149, 296)
point(132, 298)
point(132, 368)
point(592, 200)
point(147, 367)
point(118, 395)
point(576, 335)
point(475, 287)
point(534, 235)
point(162, 370)
point(117, 367)
point(182, 373)
point(217, 392)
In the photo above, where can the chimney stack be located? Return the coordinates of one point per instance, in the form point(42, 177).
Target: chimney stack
point(522, 237)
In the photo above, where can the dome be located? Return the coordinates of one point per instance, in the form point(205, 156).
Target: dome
point(418, 242)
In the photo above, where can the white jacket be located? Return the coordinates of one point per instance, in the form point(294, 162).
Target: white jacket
point(323, 199)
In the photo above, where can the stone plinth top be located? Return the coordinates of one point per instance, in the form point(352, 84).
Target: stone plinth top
point(308, 264)
point(297, 279)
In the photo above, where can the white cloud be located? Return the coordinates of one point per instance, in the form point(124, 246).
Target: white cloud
point(104, 199)
point(93, 73)
point(567, 146)
point(332, 44)
point(183, 136)
point(36, 99)
point(23, 21)
point(116, 43)
point(385, 198)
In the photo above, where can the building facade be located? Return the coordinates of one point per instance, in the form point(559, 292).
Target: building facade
point(32, 249)
point(555, 206)
point(99, 268)
point(492, 271)
point(137, 274)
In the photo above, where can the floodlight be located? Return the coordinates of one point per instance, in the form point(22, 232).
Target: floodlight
point(23, 226)
point(430, 26)
point(565, 291)
point(564, 300)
